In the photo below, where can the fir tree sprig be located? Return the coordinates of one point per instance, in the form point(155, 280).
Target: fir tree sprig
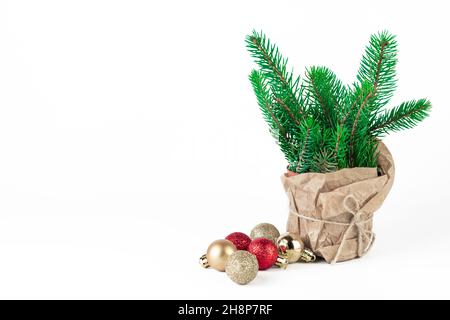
point(276, 122)
point(339, 154)
point(406, 115)
point(364, 99)
point(273, 66)
point(378, 67)
point(328, 93)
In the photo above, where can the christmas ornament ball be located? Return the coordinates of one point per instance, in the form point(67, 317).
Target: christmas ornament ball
point(265, 230)
point(240, 240)
point(242, 267)
point(218, 253)
point(266, 252)
point(292, 248)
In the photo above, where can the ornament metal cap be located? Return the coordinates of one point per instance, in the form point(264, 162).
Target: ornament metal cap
point(281, 262)
point(307, 256)
point(204, 261)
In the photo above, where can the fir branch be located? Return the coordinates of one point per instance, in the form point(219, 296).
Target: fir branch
point(357, 96)
point(340, 148)
point(274, 67)
point(364, 145)
point(367, 93)
point(378, 67)
point(303, 150)
point(263, 96)
point(328, 92)
point(313, 76)
point(309, 131)
point(405, 116)
point(366, 153)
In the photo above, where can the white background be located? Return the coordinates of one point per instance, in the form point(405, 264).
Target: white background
point(130, 139)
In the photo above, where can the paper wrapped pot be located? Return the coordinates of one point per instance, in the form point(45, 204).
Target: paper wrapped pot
point(332, 212)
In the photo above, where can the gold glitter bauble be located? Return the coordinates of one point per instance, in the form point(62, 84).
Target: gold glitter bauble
point(218, 253)
point(292, 248)
point(265, 230)
point(242, 267)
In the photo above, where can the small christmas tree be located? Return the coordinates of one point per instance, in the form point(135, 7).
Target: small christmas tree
point(322, 125)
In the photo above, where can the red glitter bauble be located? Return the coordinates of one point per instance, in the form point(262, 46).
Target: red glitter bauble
point(265, 251)
point(240, 240)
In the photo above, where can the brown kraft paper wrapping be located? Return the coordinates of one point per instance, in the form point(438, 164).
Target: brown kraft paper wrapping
point(332, 212)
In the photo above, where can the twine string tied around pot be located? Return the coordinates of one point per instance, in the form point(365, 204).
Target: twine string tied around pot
point(356, 221)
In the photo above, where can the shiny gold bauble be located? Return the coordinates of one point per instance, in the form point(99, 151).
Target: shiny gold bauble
point(292, 248)
point(217, 254)
point(242, 267)
point(265, 230)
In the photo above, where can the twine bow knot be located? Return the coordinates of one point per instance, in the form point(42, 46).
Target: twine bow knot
point(358, 223)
